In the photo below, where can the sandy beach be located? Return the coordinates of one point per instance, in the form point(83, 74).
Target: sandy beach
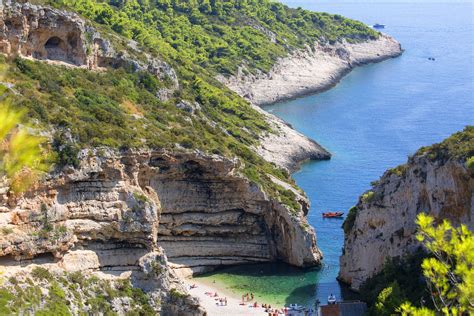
point(233, 303)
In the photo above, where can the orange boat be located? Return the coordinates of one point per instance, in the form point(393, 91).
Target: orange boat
point(333, 214)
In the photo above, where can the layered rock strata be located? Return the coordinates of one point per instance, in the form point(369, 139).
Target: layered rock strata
point(115, 210)
point(212, 216)
point(94, 219)
point(383, 224)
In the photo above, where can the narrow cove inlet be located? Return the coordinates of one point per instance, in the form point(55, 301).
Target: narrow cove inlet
point(244, 157)
point(371, 121)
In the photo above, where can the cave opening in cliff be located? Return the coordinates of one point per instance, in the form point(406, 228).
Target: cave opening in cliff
point(56, 49)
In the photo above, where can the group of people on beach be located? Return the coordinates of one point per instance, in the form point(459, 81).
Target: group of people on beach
point(220, 301)
point(247, 297)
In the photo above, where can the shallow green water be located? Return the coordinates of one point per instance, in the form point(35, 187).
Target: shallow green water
point(273, 283)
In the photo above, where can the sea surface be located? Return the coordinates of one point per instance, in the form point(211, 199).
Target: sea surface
point(373, 120)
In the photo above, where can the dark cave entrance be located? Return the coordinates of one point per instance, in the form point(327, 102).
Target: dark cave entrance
point(56, 49)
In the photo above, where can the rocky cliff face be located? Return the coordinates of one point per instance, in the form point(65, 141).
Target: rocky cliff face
point(98, 220)
point(382, 225)
point(116, 211)
point(61, 37)
point(211, 216)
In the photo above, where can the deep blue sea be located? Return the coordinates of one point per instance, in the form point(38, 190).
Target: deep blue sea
point(380, 114)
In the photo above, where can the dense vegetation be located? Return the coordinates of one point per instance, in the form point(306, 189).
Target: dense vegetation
point(404, 277)
point(69, 293)
point(218, 34)
point(118, 109)
point(436, 280)
point(458, 146)
point(23, 157)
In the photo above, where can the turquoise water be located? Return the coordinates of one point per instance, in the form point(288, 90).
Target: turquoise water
point(378, 115)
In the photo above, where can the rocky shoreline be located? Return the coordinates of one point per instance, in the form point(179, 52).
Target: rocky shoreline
point(308, 71)
point(311, 70)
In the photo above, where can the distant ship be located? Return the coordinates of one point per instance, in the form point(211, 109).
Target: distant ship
point(378, 26)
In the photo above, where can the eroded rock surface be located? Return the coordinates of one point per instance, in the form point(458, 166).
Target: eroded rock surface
point(211, 216)
point(47, 34)
point(384, 224)
point(94, 219)
point(117, 210)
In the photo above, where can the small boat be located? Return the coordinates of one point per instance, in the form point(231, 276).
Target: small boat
point(295, 307)
point(378, 26)
point(333, 215)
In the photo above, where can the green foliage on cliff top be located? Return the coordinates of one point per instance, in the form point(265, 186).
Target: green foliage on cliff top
point(218, 34)
point(350, 219)
point(458, 146)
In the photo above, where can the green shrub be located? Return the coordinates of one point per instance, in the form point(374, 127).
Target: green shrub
point(175, 294)
point(389, 299)
point(156, 268)
point(399, 170)
point(407, 273)
point(40, 273)
point(5, 298)
point(350, 219)
point(460, 145)
point(368, 197)
point(56, 303)
point(470, 163)
point(140, 198)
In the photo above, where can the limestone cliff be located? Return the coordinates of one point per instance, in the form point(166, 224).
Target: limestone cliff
point(117, 209)
point(310, 70)
point(382, 225)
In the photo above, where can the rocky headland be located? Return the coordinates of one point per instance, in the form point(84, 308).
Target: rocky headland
point(436, 181)
point(311, 70)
